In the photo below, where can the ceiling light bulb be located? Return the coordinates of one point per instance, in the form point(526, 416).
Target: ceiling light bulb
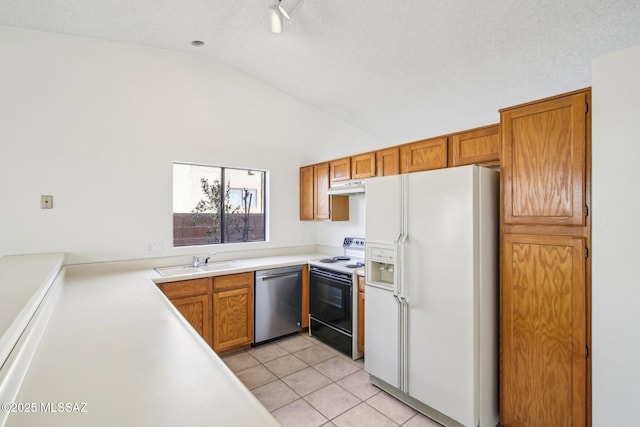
point(275, 20)
point(289, 7)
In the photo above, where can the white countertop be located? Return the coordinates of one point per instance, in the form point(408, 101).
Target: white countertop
point(24, 279)
point(245, 265)
point(116, 344)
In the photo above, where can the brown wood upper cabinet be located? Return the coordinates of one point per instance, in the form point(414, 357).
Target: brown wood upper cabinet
point(315, 202)
point(192, 298)
point(543, 161)
point(321, 199)
point(340, 170)
point(478, 146)
point(423, 155)
point(388, 161)
point(363, 166)
point(306, 193)
point(232, 311)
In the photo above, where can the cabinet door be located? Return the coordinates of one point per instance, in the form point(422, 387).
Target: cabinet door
point(306, 193)
point(196, 310)
point(360, 337)
point(478, 146)
point(543, 161)
point(232, 311)
point(424, 155)
point(388, 161)
point(340, 169)
point(334, 208)
point(192, 298)
point(363, 166)
point(320, 188)
point(543, 331)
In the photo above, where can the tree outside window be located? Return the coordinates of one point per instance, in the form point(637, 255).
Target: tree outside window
point(217, 205)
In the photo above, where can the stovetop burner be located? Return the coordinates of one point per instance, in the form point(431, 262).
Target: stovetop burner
point(356, 265)
point(347, 262)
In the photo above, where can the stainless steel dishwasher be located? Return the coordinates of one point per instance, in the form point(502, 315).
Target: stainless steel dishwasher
point(278, 302)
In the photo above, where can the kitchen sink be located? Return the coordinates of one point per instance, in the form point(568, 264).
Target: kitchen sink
point(219, 265)
point(189, 269)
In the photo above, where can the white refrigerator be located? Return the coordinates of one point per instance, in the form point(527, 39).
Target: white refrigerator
point(431, 291)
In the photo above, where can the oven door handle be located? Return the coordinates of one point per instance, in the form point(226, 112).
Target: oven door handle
point(333, 277)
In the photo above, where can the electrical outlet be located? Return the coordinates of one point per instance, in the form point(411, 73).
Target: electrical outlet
point(46, 202)
point(154, 248)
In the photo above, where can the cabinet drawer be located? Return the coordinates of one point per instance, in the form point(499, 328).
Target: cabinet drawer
point(231, 281)
point(186, 287)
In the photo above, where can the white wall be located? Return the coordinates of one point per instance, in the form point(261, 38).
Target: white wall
point(332, 233)
point(98, 124)
point(616, 253)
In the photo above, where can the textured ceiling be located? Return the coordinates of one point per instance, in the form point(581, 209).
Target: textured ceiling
point(401, 70)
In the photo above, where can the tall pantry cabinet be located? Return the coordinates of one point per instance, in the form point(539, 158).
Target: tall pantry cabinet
point(545, 264)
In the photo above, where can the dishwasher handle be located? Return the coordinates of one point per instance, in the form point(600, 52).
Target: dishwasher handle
point(273, 273)
point(277, 276)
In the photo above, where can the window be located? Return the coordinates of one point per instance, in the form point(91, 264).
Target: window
point(214, 205)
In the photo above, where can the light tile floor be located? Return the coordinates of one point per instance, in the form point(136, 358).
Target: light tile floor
point(304, 382)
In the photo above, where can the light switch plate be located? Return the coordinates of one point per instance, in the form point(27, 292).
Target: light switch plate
point(46, 202)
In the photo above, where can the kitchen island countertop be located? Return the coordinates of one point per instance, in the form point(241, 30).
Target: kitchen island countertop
point(114, 351)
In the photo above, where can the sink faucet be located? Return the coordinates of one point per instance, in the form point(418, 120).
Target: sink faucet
point(196, 260)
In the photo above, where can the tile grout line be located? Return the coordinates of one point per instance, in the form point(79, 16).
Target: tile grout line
point(359, 366)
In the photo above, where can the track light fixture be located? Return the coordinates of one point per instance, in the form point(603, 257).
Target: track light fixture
point(282, 8)
point(275, 19)
point(289, 7)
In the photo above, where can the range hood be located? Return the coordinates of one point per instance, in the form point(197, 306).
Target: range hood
point(347, 188)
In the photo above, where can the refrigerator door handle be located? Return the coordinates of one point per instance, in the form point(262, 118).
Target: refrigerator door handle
point(404, 351)
point(400, 266)
point(401, 344)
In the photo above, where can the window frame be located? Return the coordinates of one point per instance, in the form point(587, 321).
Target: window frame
point(223, 188)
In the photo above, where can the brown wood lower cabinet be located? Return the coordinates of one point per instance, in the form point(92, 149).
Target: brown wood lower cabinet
point(360, 337)
point(192, 298)
point(544, 350)
point(196, 310)
point(232, 311)
point(219, 308)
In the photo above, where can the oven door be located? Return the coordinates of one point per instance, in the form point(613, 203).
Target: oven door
point(330, 297)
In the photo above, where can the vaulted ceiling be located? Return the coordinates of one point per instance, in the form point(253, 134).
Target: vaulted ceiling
point(400, 70)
